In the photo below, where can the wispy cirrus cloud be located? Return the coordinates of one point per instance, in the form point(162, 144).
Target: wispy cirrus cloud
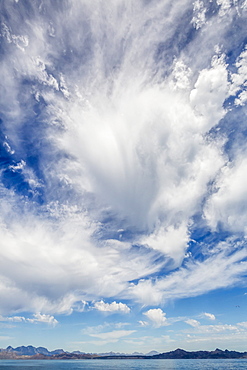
point(196, 278)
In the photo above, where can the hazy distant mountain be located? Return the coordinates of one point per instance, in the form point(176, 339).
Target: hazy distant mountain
point(152, 353)
point(31, 351)
point(111, 354)
point(136, 354)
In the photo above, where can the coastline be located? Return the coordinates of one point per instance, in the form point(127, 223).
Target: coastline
point(176, 354)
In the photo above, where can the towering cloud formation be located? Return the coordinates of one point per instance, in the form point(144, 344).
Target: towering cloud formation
point(122, 152)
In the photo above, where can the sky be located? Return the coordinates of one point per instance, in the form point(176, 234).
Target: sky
point(123, 174)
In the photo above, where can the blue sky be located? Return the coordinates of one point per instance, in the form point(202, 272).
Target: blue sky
point(123, 174)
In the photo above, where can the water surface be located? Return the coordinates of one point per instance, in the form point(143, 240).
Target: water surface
point(124, 364)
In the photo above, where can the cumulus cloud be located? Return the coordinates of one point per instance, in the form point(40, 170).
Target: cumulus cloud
point(112, 307)
point(157, 317)
point(37, 317)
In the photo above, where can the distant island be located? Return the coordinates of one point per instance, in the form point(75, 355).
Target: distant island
point(41, 353)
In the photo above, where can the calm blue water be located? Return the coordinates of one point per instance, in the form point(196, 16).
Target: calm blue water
point(124, 364)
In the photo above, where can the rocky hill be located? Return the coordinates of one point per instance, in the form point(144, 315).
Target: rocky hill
point(216, 354)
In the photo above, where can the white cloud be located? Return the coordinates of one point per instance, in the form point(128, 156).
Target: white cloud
point(208, 329)
point(213, 334)
point(115, 140)
point(238, 79)
point(210, 92)
point(243, 324)
point(228, 204)
point(98, 329)
point(37, 317)
point(112, 307)
point(48, 319)
point(209, 316)
point(20, 41)
point(220, 269)
point(143, 323)
point(157, 317)
point(13, 318)
point(224, 5)
point(199, 14)
point(172, 241)
point(193, 323)
point(119, 325)
point(115, 334)
point(181, 76)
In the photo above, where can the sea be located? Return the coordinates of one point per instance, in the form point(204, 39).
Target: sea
point(123, 364)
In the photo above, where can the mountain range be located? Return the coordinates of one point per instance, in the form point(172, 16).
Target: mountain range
point(43, 353)
point(30, 351)
point(33, 351)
